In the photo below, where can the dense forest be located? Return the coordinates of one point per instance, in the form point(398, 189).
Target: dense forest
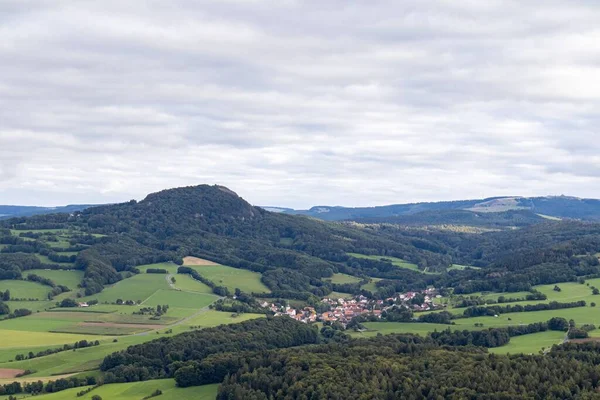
point(282, 358)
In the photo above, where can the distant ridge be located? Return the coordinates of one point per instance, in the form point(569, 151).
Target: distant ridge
point(548, 206)
point(10, 211)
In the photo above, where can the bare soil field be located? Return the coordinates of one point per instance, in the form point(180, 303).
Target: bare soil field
point(197, 261)
point(6, 373)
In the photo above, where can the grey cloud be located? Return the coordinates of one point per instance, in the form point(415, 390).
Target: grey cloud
point(297, 103)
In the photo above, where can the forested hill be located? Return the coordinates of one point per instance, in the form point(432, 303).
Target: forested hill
point(552, 206)
point(294, 253)
point(215, 223)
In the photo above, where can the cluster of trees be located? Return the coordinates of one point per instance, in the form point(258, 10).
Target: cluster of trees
point(156, 271)
point(184, 355)
point(77, 345)
point(289, 281)
point(39, 387)
point(402, 366)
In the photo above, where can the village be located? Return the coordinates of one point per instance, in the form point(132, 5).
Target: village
point(342, 310)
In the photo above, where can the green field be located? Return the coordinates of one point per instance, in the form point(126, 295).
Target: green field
point(189, 284)
point(530, 344)
point(31, 305)
point(15, 338)
point(138, 287)
point(232, 278)
point(395, 261)
point(170, 267)
point(137, 391)
point(175, 298)
point(25, 290)
point(371, 285)
point(460, 267)
point(212, 318)
point(373, 328)
point(343, 278)
point(69, 278)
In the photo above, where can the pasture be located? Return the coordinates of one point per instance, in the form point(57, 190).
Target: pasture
point(25, 290)
point(70, 278)
point(175, 298)
point(212, 318)
point(170, 267)
point(398, 262)
point(530, 344)
point(342, 278)
point(138, 287)
point(137, 391)
point(24, 339)
point(232, 278)
point(371, 286)
point(189, 284)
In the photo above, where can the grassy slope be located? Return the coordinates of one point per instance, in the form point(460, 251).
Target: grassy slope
point(25, 289)
point(233, 278)
point(137, 391)
point(395, 261)
point(69, 278)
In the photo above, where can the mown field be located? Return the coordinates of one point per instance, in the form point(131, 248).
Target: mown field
point(395, 261)
point(137, 391)
point(25, 290)
point(232, 278)
point(69, 278)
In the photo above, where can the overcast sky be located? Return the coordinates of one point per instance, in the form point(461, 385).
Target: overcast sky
point(299, 103)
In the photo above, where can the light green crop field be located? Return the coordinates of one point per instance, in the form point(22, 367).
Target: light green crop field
point(175, 298)
point(232, 278)
point(138, 287)
point(337, 295)
point(34, 306)
point(189, 284)
point(69, 278)
point(530, 344)
point(15, 338)
point(373, 328)
point(395, 261)
point(212, 318)
point(90, 358)
point(25, 290)
point(342, 278)
point(137, 391)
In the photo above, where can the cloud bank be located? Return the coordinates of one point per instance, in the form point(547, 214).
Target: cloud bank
point(298, 103)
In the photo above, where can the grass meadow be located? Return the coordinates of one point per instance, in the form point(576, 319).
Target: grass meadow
point(398, 262)
point(233, 278)
point(137, 391)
